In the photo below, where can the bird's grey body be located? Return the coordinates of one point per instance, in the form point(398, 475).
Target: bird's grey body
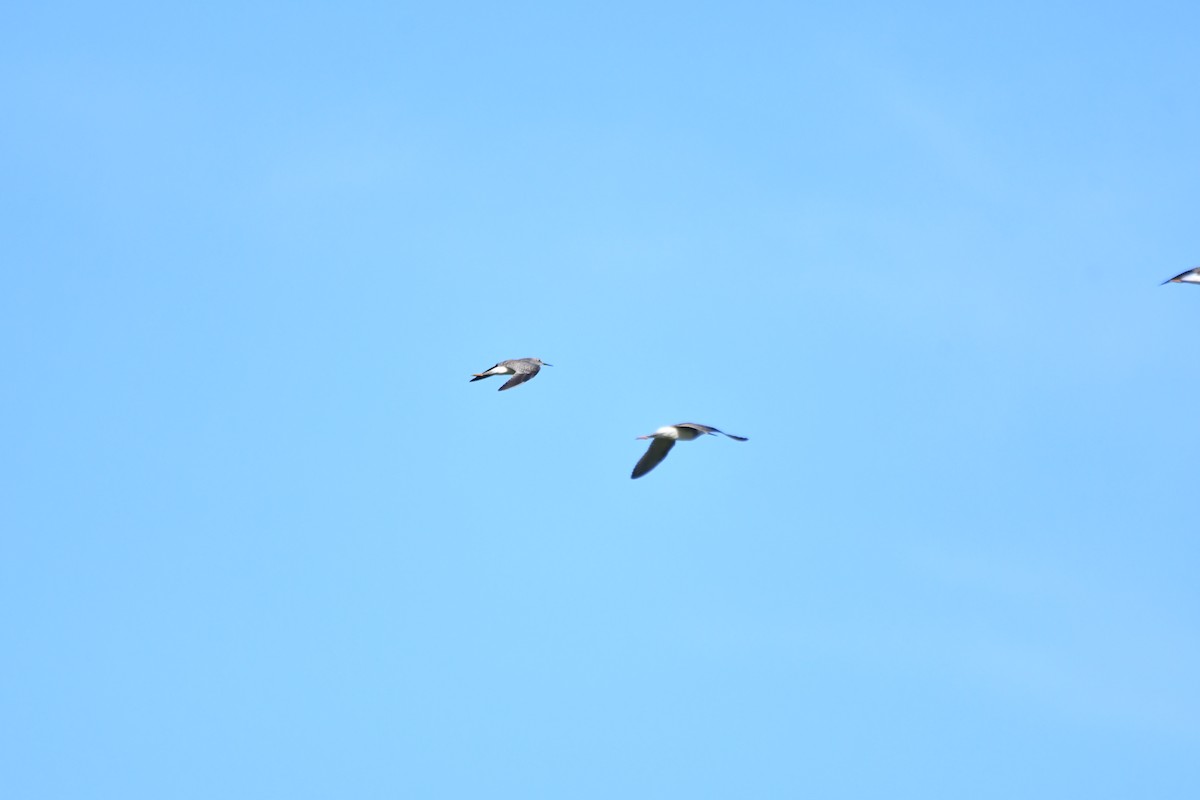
point(521, 369)
point(664, 439)
point(1191, 276)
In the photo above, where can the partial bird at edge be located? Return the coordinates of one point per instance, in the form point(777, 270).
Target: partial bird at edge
point(1190, 276)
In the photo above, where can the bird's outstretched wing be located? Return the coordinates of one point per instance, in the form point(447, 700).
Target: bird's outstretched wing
point(524, 370)
point(1189, 276)
point(654, 454)
point(518, 379)
point(709, 429)
point(487, 373)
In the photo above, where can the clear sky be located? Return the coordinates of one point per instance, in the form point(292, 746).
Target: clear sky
point(261, 537)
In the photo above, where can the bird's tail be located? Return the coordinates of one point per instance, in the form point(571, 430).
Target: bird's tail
point(478, 377)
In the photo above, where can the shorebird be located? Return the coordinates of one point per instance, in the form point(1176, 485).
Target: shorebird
point(665, 438)
point(1191, 276)
point(521, 369)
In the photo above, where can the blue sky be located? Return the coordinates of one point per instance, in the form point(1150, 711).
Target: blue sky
point(263, 539)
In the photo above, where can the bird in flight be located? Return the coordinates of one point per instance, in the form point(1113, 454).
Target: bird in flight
point(521, 369)
point(665, 438)
point(1191, 276)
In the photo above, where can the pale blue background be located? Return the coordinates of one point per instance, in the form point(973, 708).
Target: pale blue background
point(261, 538)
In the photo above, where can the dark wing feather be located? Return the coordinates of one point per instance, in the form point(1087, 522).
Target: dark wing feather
point(1178, 277)
point(654, 454)
point(525, 371)
point(481, 375)
point(709, 429)
point(517, 380)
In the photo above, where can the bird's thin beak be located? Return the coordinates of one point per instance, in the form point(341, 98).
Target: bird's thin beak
point(645, 437)
point(544, 364)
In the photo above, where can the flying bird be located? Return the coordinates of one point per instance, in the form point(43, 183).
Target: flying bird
point(1191, 276)
point(665, 438)
point(521, 369)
